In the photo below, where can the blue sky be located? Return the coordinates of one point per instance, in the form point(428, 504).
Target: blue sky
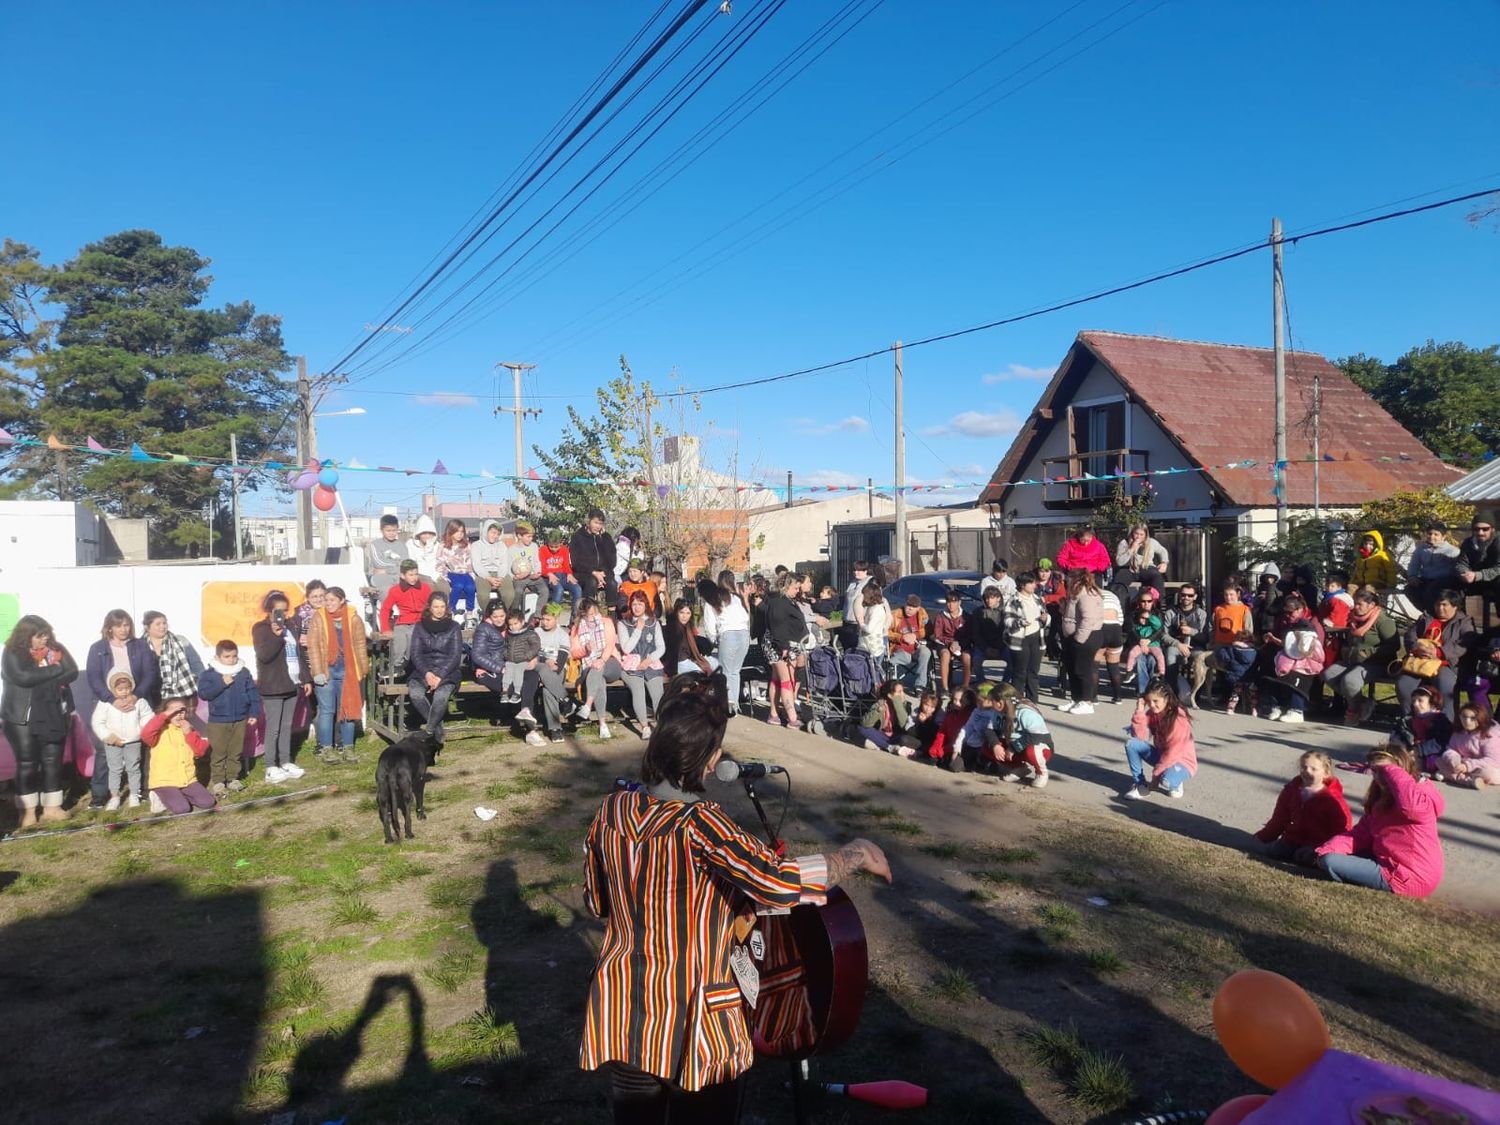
point(320, 154)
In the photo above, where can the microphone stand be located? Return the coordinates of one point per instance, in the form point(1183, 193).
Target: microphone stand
point(799, 1066)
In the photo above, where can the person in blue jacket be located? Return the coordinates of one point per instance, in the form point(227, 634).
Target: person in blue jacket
point(116, 647)
point(233, 706)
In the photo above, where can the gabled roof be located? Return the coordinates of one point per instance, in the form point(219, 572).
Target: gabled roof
point(1480, 486)
point(1217, 402)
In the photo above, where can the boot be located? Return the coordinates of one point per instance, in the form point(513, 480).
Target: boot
point(1116, 677)
point(1253, 695)
point(26, 807)
point(52, 806)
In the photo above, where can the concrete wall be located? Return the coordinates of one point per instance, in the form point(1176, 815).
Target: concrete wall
point(1181, 496)
point(800, 533)
point(55, 533)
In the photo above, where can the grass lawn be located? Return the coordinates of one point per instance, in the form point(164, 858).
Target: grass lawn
point(282, 959)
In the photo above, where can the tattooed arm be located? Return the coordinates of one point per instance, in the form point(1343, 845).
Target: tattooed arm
point(857, 855)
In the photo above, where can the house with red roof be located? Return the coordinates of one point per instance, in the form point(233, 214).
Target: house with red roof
point(1195, 422)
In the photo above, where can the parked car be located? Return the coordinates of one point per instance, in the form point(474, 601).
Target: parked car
point(933, 589)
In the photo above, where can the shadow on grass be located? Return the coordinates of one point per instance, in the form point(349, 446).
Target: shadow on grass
point(323, 1064)
point(189, 971)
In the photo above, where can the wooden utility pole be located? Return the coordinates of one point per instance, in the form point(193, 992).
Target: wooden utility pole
point(902, 550)
point(515, 370)
point(304, 429)
point(1280, 474)
point(234, 492)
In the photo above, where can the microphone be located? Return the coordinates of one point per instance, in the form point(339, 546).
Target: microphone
point(729, 770)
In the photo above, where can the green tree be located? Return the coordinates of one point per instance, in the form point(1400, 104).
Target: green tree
point(136, 360)
point(1447, 395)
point(25, 336)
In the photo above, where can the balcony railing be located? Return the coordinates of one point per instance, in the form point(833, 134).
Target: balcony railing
point(1075, 491)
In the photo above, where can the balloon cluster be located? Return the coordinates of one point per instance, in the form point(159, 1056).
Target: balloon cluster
point(1271, 1029)
point(322, 478)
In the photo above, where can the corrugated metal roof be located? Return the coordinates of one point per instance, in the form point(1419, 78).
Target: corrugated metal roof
point(1480, 485)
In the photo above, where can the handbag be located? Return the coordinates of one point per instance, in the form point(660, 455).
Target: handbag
point(1424, 667)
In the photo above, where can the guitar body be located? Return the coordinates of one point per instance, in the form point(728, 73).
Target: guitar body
point(812, 980)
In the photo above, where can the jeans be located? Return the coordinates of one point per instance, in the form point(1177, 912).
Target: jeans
point(464, 591)
point(328, 696)
point(1301, 855)
point(122, 759)
point(1140, 754)
point(734, 646)
point(278, 733)
point(1288, 697)
point(566, 585)
point(513, 593)
point(686, 666)
point(1025, 666)
point(1145, 670)
point(554, 691)
point(917, 660)
point(433, 710)
point(1356, 869)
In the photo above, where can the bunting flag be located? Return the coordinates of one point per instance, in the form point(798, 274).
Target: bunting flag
point(1277, 469)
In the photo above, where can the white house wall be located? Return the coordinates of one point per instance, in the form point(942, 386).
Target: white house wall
point(1182, 495)
point(800, 533)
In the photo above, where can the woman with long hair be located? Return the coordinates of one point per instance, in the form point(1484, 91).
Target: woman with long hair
point(1395, 845)
point(642, 645)
point(337, 660)
point(726, 622)
point(786, 630)
point(595, 644)
point(36, 709)
point(670, 872)
point(178, 664)
point(1082, 624)
point(281, 669)
point(436, 662)
point(684, 648)
point(1161, 736)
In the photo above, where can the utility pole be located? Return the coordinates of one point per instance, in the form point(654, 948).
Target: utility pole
point(208, 519)
point(1280, 474)
point(234, 487)
point(1317, 443)
point(515, 370)
point(901, 545)
point(304, 430)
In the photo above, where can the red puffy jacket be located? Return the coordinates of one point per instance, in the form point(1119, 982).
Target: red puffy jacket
point(1309, 823)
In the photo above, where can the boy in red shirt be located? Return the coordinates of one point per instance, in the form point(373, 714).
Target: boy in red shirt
point(406, 599)
point(557, 568)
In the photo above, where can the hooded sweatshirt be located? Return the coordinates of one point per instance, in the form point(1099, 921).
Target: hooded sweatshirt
point(1403, 838)
point(1376, 569)
point(1477, 746)
point(1307, 821)
point(231, 702)
point(108, 720)
point(383, 561)
point(1433, 566)
point(424, 555)
point(491, 560)
point(1177, 748)
point(172, 753)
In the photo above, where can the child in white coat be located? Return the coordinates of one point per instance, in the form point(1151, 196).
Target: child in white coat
point(117, 723)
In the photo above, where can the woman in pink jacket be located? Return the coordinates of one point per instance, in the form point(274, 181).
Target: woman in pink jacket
point(1395, 846)
point(1084, 552)
point(1161, 736)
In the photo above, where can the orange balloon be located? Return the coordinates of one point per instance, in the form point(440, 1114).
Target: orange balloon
point(1268, 1026)
point(1237, 1109)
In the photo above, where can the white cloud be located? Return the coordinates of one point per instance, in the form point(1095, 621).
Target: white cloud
point(976, 424)
point(1017, 371)
point(972, 471)
point(853, 424)
point(822, 477)
point(446, 398)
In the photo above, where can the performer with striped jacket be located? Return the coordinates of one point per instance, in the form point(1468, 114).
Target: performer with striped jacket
point(678, 884)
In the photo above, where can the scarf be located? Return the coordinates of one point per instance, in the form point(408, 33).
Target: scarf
point(175, 673)
point(351, 699)
point(591, 634)
point(1359, 626)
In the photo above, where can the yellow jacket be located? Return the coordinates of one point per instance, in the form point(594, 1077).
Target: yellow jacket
point(172, 753)
point(1378, 569)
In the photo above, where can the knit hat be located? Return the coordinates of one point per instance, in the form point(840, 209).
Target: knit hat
point(117, 675)
point(1045, 564)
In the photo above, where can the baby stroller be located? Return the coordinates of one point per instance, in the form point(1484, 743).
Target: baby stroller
point(862, 676)
point(825, 690)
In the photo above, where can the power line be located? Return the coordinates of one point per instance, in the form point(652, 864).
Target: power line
point(1088, 299)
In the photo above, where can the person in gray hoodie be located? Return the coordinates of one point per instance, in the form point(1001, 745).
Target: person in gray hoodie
point(1433, 567)
point(384, 556)
point(490, 558)
point(422, 548)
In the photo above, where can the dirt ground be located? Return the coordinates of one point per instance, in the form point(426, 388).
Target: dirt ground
point(281, 960)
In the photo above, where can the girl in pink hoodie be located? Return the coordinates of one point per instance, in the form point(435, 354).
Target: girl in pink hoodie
point(1473, 754)
point(1395, 846)
point(1161, 736)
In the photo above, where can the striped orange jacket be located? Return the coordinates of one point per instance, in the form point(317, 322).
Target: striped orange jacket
point(669, 878)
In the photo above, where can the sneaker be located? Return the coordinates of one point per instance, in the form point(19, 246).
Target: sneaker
point(1175, 792)
point(293, 770)
point(1082, 708)
point(1293, 717)
point(583, 714)
point(524, 715)
point(275, 775)
point(220, 789)
point(1275, 714)
point(554, 736)
point(351, 755)
point(870, 745)
point(1009, 775)
point(96, 802)
point(906, 751)
point(132, 802)
point(322, 754)
point(113, 803)
point(1136, 792)
point(535, 738)
point(646, 732)
point(1067, 705)
point(1039, 781)
point(156, 805)
point(604, 731)
point(1232, 704)
point(236, 785)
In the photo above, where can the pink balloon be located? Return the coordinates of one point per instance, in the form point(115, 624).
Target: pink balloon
point(305, 480)
point(1237, 1109)
point(324, 498)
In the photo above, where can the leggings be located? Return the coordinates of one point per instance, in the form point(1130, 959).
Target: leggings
point(639, 1099)
point(1083, 678)
point(39, 765)
point(178, 801)
point(278, 732)
point(463, 590)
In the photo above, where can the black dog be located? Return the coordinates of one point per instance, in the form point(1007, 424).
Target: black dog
point(400, 777)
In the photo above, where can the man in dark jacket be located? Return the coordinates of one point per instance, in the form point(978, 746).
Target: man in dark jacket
point(987, 630)
point(1479, 559)
point(1186, 645)
point(593, 555)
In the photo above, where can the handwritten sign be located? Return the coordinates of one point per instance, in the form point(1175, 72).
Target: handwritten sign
point(230, 609)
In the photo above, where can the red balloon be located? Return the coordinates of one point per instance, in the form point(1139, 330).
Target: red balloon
point(1269, 1026)
point(324, 498)
point(1237, 1109)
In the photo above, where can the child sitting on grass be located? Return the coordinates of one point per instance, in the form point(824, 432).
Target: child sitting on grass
point(1425, 731)
point(1310, 811)
point(117, 723)
point(174, 744)
point(926, 723)
point(884, 726)
point(1473, 754)
point(1161, 736)
point(233, 704)
point(978, 729)
point(1019, 739)
point(946, 749)
point(1395, 845)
